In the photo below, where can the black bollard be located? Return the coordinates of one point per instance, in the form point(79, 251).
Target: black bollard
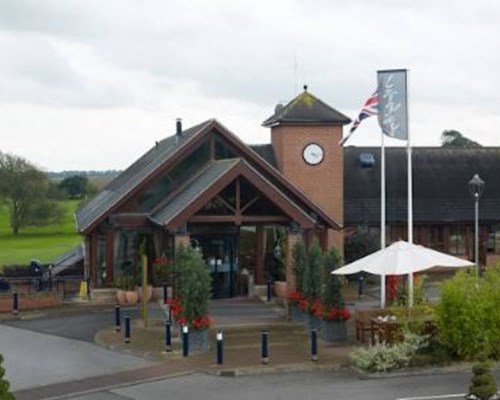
point(360, 286)
point(265, 346)
point(165, 294)
point(118, 325)
point(269, 289)
point(15, 304)
point(185, 341)
point(168, 336)
point(314, 345)
point(220, 348)
point(127, 329)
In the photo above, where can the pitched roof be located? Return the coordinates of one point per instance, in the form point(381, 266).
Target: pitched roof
point(266, 151)
point(127, 183)
point(189, 198)
point(129, 179)
point(440, 191)
point(306, 108)
point(172, 206)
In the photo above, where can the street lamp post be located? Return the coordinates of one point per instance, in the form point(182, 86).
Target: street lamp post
point(476, 187)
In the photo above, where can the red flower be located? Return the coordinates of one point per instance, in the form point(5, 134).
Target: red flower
point(317, 309)
point(202, 322)
point(303, 304)
point(337, 314)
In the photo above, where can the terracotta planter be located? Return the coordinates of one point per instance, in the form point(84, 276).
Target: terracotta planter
point(158, 293)
point(149, 292)
point(334, 331)
point(132, 296)
point(280, 289)
point(121, 297)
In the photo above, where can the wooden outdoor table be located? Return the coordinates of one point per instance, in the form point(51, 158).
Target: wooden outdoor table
point(386, 330)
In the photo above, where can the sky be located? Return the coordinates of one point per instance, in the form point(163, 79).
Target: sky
point(92, 84)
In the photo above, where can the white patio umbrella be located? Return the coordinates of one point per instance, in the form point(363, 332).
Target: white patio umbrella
point(401, 258)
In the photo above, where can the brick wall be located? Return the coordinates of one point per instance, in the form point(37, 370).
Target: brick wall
point(30, 301)
point(323, 183)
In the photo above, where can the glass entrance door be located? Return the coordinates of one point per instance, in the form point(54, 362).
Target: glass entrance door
point(221, 257)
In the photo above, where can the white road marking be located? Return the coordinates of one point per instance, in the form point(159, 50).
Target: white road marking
point(442, 396)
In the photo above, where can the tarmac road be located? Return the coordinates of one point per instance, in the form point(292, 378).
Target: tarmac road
point(294, 386)
point(35, 359)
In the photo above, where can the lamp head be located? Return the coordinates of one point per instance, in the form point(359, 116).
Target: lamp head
point(476, 186)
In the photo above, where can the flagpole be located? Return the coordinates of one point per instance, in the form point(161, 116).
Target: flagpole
point(410, 195)
point(382, 215)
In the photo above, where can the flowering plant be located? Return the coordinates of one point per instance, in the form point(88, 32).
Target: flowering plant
point(202, 322)
point(336, 314)
point(176, 308)
point(317, 309)
point(294, 298)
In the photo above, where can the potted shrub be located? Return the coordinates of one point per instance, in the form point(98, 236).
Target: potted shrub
point(311, 283)
point(193, 286)
point(296, 301)
point(334, 314)
point(125, 284)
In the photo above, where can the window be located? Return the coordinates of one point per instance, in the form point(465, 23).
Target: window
point(456, 243)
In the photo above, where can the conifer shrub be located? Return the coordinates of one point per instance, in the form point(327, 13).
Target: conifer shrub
point(4, 384)
point(483, 384)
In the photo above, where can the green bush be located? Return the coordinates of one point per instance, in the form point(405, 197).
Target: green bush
point(193, 284)
point(331, 295)
point(313, 272)
point(4, 384)
point(300, 263)
point(383, 357)
point(467, 314)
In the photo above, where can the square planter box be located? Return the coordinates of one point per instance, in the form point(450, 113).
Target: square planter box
point(296, 314)
point(334, 331)
point(199, 340)
point(313, 322)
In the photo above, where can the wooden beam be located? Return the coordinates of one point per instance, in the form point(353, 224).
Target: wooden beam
point(252, 201)
point(263, 219)
point(226, 203)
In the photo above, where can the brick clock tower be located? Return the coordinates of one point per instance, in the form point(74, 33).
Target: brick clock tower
point(305, 136)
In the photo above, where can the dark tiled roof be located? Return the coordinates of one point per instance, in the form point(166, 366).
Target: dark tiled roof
point(214, 171)
point(440, 191)
point(306, 108)
point(266, 151)
point(133, 176)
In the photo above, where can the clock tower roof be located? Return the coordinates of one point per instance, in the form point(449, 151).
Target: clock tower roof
point(306, 108)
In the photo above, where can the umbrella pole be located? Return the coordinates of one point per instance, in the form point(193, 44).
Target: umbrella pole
point(382, 291)
point(410, 290)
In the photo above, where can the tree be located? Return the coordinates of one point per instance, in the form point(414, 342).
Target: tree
point(4, 384)
point(313, 272)
point(331, 294)
point(76, 186)
point(360, 244)
point(24, 188)
point(454, 139)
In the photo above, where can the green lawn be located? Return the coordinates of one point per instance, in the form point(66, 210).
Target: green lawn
point(44, 244)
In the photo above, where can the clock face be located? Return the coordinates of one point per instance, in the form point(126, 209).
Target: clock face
point(313, 154)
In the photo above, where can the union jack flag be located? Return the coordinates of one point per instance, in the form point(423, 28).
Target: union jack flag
point(369, 108)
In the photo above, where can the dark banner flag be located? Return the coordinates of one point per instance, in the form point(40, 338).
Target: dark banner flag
point(392, 107)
